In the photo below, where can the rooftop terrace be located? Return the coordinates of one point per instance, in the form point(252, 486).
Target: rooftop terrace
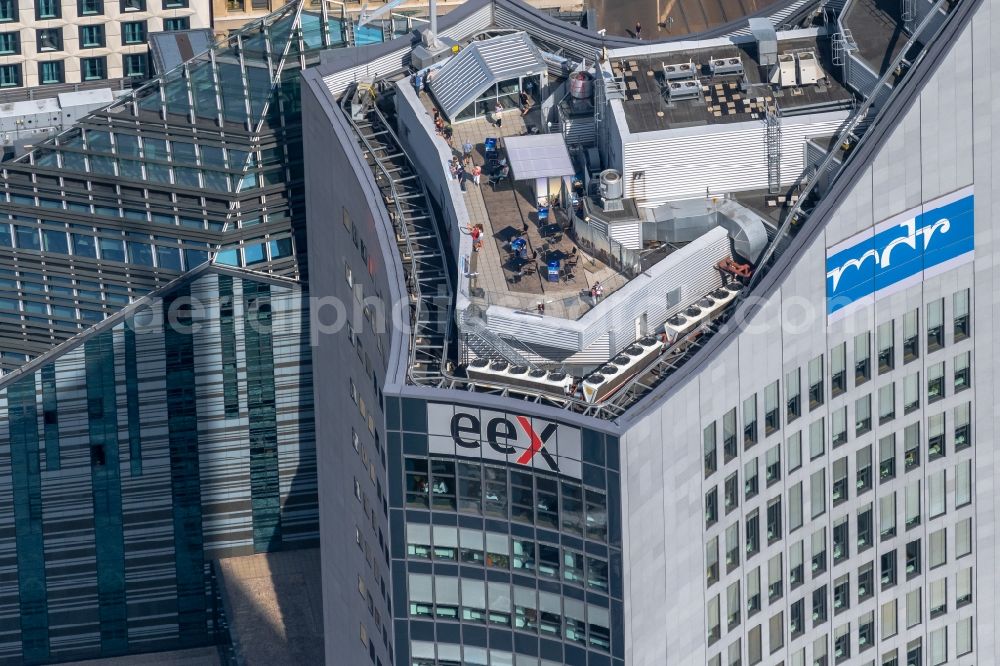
point(720, 98)
point(877, 28)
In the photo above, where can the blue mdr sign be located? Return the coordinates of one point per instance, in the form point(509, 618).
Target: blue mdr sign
point(899, 252)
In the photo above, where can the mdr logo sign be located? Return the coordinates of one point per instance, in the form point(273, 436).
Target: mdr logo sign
point(509, 437)
point(900, 252)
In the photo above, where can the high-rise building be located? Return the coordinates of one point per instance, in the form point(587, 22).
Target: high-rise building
point(696, 369)
point(48, 42)
point(156, 407)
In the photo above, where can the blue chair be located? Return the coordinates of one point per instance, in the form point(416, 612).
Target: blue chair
point(543, 215)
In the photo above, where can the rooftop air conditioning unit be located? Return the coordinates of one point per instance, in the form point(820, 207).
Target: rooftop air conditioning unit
point(681, 70)
point(786, 70)
point(724, 66)
point(809, 71)
point(678, 90)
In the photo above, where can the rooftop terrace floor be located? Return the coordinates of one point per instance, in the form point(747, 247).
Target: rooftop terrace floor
point(507, 211)
point(878, 31)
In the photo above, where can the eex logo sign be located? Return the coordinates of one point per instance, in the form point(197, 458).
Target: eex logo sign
point(507, 437)
point(900, 252)
point(501, 436)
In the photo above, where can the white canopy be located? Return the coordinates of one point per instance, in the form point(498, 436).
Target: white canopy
point(538, 156)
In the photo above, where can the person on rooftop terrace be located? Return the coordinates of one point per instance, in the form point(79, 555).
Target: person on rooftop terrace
point(497, 118)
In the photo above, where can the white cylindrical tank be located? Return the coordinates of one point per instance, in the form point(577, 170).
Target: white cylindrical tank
point(611, 184)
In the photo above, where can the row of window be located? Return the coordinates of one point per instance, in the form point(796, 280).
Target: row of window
point(502, 604)
point(53, 9)
point(886, 346)
point(498, 551)
point(49, 40)
point(495, 491)
point(934, 489)
point(423, 653)
point(937, 651)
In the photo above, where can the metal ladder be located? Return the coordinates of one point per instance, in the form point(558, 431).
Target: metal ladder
point(349, 37)
point(772, 131)
point(417, 241)
point(485, 343)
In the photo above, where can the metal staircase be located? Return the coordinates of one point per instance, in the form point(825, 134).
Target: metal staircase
point(417, 237)
point(484, 343)
point(772, 130)
point(350, 39)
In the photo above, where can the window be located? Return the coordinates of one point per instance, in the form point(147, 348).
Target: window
point(889, 628)
point(841, 540)
point(816, 443)
point(865, 527)
point(176, 24)
point(838, 426)
point(774, 520)
point(819, 606)
point(838, 369)
point(862, 358)
point(818, 552)
point(937, 544)
point(753, 592)
point(817, 493)
point(911, 446)
point(911, 392)
point(963, 483)
point(963, 636)
point(133, 6)
point(134, 32)
point(963, 587)
point(913, 559)
point(963, 538)
point(712, 561)
point(733, 610)
point(711, 458)
point(175, 4)
point(816, 382)
point(841, 594)
point(887, 565)
point(10, 43)
point(935, 437)
point(750, 421)
point(732, 547)
point(960, 314)
point(961, 415)
point(775, 585)
point(772, 462)
point(8, 11)
point(729, 448)
point(794, 452)
point(796, 619)
point(935, 382)
point(732, 492)
point(772, 419)
point(862, 415)
point(750, 483)
point(796, 565)
point(93, 68)
point(962, 373)
point(842, 643)
point(866, 631)
point(711, 507)
point(840, 488)
point(136, 66)
point(886, 348)
point(91, 36)
point(89, 7)
point(911, 510)
point(49, 39)
point(887, 516)
point(10, 76)
point(714, 628)
point(51, 72)
point(887, 458)
point(886, 403)
point(935, 325)
point(793, 392)
point(863, 469)
point(913, 608)
point(47, 9)
point(776, 632)
point(866, 582)
point(911, 336)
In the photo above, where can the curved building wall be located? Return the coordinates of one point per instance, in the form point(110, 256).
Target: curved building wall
point(836, 469)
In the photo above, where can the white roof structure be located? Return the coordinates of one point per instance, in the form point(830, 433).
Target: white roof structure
point(466, 76)
point(538, 156)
